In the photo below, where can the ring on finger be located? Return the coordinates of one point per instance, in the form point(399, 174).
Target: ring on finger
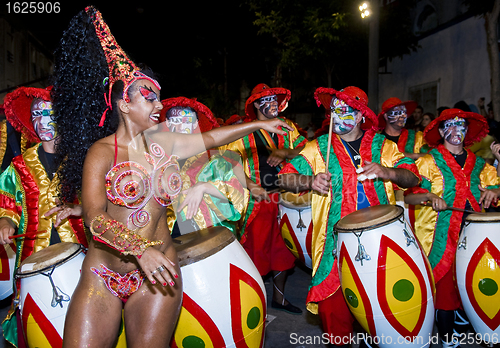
point(156, 270)
point(160, 269)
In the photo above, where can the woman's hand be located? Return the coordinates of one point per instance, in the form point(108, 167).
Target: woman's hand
point(192, 200)
point(64, 211)
point(157, 267)
point(274, 126)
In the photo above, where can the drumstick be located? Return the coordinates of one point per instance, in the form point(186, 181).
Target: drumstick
point(428, 204)
point(29, 234)
point(329, 143)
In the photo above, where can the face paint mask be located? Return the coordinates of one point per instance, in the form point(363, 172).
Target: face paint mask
point(454, 130)
point(41, 117)
point(344, 117)
point(181, 120)
point(397, 114)
point(268, 106)
point(148, 94)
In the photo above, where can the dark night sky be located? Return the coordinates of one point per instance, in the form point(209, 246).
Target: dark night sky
point(168, 35)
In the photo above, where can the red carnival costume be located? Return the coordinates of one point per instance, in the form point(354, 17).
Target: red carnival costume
point(347, 196)
point(409, 141)
point(260, 234)
point(27, 192)
point(442, 175)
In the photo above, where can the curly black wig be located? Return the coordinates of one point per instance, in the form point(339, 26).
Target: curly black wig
point(78, 101)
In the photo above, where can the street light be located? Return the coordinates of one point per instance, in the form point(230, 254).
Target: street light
point(364, 9)
point(371, 9)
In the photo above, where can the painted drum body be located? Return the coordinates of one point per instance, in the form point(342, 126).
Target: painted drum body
point(48, 280)
point(224, 299)
point(43, 305)
point(478, 273)
point(7, 265)
point(296, 224)
point(385, 276)
point(410, 211)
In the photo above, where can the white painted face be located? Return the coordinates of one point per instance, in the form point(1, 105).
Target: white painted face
point(454, 130)
point(182, 120)
point(344, 116)
point(41, 117)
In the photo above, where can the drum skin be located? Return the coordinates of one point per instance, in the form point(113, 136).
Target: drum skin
point(7, 265)
point(478, 273)
point(385, 276)
point(224, 300)
point(296, 225)
point(43, 325)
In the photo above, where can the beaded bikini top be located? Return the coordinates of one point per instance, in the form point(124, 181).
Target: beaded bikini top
point(131, 185)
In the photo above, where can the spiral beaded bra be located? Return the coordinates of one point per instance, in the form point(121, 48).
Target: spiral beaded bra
point(131, 185)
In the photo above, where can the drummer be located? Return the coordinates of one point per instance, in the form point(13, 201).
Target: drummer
point(392, 120)
point(364, 166)
point(452, 176)
point(30, 182)
point(262, 155)
point(208, 178)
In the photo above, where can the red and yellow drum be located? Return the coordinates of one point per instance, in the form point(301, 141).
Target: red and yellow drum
point(7, 265)
point(478, 273)
point(48, 279)
point(296, 224)
point(385, 276)
point(224, 300)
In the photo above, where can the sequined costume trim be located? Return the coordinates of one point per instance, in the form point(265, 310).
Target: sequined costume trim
point(131, 185)
point(121, 286)
point(126, 241)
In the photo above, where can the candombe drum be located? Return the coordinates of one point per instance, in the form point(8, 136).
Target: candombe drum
point(478, 273)
point(296, 224)
point(410, 211)
point(224, 301)
point(385, 277)
point(7, 265)
point(48, 279)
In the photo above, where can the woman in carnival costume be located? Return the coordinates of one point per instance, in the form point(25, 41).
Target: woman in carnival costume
point(131, 262)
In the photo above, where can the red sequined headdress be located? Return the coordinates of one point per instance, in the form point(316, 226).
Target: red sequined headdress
point(119, 64)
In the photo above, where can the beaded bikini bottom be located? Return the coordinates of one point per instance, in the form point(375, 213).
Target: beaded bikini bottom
point(121, 286)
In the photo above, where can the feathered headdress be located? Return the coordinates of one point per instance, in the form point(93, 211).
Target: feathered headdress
point(119, 64)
